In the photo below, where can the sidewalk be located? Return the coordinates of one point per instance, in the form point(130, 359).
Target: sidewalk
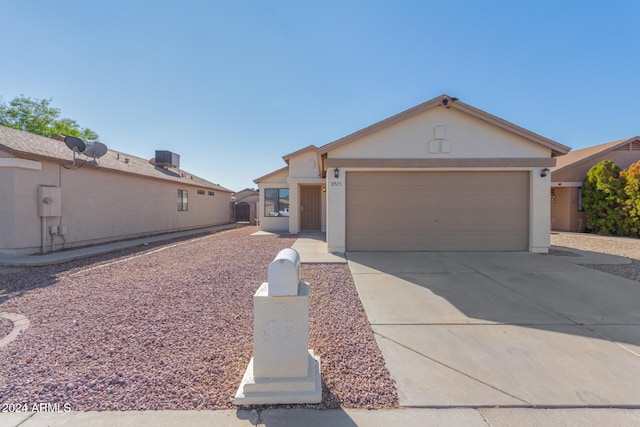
point(72, 254)
point(458, 417)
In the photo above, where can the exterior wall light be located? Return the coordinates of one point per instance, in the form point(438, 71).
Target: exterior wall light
point(336, 173)
point(544, 172)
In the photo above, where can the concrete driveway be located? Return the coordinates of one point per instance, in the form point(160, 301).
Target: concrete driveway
point(502, 329)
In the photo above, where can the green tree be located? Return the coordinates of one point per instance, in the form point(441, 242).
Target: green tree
point(632, 200)
point(603, 199)
point(39, 117)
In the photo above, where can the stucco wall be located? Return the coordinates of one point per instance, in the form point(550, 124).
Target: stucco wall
point(564, 210)
point(99, 206)
point(304, 165)
point(468, 137)
point(7, 213)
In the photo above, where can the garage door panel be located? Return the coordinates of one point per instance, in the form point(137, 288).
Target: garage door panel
point(414, 211)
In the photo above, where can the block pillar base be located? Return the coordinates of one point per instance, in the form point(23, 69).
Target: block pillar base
point(264, 391)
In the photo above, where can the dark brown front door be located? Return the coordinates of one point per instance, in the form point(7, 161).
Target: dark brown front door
point(310, 207)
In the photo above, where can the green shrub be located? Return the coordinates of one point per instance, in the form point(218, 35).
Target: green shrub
point(631, 177)
point(603, 199)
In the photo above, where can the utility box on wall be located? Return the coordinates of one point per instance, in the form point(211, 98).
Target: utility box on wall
point(49, 201)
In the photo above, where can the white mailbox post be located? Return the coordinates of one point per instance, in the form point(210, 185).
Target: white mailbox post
point(283, 369)
point(284, 274)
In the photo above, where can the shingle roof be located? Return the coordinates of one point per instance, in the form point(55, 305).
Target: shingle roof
point(575, 157)
point(27, 145)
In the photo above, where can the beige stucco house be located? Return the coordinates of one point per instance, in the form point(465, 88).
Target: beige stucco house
point(46, 204)
point(571, 170)
point(440, 176)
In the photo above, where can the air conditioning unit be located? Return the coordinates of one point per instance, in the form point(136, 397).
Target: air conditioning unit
point(167, 159)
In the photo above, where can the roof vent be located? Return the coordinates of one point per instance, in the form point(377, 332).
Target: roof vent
point(167, 159)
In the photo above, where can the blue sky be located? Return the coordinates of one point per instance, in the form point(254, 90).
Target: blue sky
point(233, 86)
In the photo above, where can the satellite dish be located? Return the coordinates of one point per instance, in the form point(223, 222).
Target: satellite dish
point(96, 150)
point(76, 145)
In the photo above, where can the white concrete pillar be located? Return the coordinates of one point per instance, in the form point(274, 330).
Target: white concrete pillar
point(540, 208)
point(336, 214)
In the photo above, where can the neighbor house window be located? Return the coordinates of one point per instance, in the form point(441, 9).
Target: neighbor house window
point(211, 193)
point(183, 200)
point(201, 192)
point(580, 200)
point(276, 202)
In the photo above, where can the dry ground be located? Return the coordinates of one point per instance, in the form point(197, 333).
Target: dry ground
point(170, 327)
point(621, 246)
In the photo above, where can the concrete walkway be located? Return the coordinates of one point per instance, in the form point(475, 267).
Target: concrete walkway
point(502, 329)
point(312, 248)
point(71, 254)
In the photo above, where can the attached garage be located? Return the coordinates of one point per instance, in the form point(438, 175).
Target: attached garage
point(441, 176)
point(437, 211)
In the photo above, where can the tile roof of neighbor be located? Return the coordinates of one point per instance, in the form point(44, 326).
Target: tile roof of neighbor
point(27, 145)
point(575, 157)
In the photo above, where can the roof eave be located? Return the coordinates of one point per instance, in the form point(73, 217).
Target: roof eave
point(262, 178)
point(298, 152)
point(381, 124)
point(608, 149)
point(556, 148)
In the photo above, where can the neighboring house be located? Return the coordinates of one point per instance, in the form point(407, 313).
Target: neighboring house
point(571, 170)
point(45, 204)
point(440, 176)
point(246, 202)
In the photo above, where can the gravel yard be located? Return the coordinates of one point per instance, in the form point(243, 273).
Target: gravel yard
point(170, 327)
point(6, 326)
point(621, 246)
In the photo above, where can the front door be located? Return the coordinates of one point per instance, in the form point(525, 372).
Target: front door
point(310, 207)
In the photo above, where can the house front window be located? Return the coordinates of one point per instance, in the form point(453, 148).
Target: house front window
point(183, 200)
point(276, 202)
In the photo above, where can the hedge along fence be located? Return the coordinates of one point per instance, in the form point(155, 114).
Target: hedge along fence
point(611, 199)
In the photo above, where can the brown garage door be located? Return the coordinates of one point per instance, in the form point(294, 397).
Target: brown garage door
point(437, 211)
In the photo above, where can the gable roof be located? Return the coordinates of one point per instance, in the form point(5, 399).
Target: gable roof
point(298, 152)
point(270, 174)
point(244, 194)
point(582, 155)
point(445, 101)
point(30, 146)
